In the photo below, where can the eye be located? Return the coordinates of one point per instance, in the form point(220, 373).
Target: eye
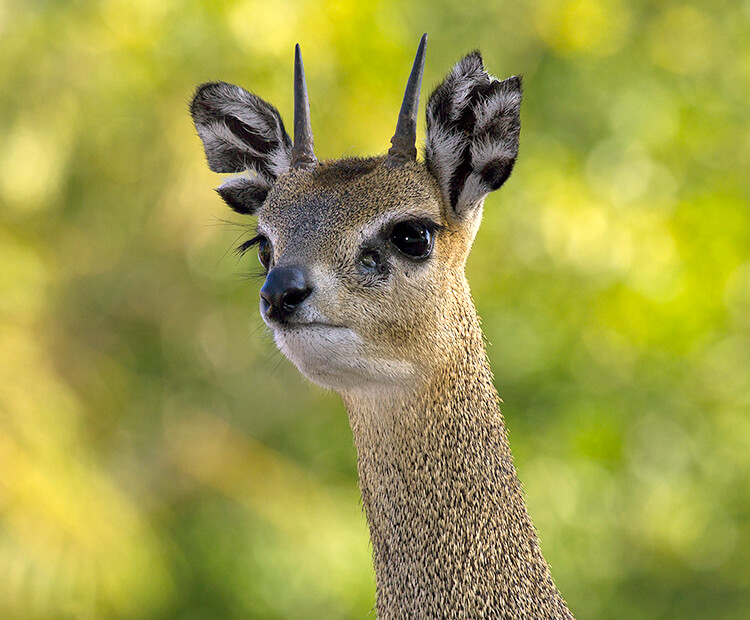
point(412, 238)
point(264, 253)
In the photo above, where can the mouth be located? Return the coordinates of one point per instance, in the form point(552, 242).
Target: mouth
point(298, 325)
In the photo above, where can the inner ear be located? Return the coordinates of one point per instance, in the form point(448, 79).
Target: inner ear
point(252, 138)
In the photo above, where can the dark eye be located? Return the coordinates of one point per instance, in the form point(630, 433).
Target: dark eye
point(264, 253)
point(412, 238)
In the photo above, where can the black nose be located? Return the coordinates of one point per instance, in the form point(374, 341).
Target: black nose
point(284, 290)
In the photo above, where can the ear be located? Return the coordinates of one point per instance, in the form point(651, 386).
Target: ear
point(244, 195)
point(473, 122)
point(241, 132)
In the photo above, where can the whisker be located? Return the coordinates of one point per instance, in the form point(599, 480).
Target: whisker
point(258, 326)
point(251, 275)
point(218, 221)
point(278, 364)
point(236, 239)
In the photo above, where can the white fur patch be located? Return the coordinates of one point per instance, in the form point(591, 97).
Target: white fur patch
point(472, 194)
point(502, 104)
point(336, 358)
point(484, 151)
point(240, 181)
point(443, 149)
point(279, 161)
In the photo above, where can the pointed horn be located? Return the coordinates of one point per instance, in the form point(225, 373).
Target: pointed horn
point(404, 141)
point(302, 151)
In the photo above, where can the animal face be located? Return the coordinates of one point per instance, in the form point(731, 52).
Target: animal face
point(365, 257)
point(375, 255)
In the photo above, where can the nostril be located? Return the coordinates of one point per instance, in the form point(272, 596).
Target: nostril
point(295, 296)
point(265, 305)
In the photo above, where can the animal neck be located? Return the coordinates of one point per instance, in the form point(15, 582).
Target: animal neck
point(450, 532)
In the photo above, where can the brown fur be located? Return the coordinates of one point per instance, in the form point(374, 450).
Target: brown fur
point(450, 532)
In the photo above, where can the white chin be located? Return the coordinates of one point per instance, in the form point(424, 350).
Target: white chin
point(335, 358)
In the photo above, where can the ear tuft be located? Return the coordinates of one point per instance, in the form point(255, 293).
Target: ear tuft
point(473, 123)
point(240, 131)
point(244, 195)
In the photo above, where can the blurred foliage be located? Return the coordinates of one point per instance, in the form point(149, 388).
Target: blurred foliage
point(159, 459)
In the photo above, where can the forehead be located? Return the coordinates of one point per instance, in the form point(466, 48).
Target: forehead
point(345, 195)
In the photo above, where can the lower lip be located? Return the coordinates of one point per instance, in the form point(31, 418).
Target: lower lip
point(302, 325)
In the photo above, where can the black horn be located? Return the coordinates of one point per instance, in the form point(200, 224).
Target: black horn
point(302, 151)
point(404, 141)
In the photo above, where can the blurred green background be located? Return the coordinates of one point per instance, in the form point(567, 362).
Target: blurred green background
point(158, 457)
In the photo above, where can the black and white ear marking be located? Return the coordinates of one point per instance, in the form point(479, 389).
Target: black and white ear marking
point(473, 123)
point(244, 195)
point(241, 132)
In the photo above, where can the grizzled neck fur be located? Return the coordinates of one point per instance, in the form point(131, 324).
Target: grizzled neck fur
point(448, 523)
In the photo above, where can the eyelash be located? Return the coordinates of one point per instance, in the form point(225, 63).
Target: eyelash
point(248, 245)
